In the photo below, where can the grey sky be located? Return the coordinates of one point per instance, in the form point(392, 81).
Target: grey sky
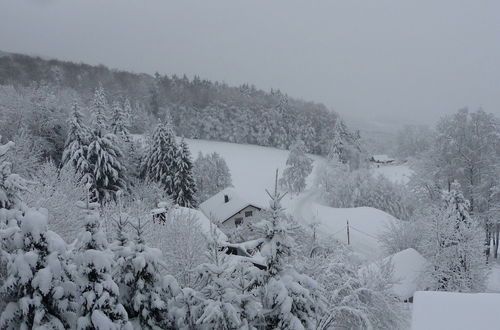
point(412, 60)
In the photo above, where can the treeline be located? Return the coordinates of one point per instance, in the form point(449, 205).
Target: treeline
point(199, 108)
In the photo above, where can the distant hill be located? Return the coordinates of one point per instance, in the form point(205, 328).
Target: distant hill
point(199, 108)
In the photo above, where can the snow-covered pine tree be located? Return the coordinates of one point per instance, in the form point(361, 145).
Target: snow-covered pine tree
point(120, 121)
point(184, 184)
point(11, 209)
point(145, 299)
point(11, 184)
point(38, 289)
point(99, 306)
point(455, 245)
point(290, 300)
point(159, 160)
point(105, 160)
point(299, 166)
point(220, 304)
point(76, 146)
point(337, 149)
point(99, 110)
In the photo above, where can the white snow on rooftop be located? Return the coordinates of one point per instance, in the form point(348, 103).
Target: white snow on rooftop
point(217, 209)
point(455, 311)
point(408, 265)
point(382, 158)
point(205, 224)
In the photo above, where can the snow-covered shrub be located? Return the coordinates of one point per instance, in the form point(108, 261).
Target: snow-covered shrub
point(353, 300)
point(58, 190)
point(182, 243)
point(211, 175)
point(454, 244)
point(38, 291)
point(357, 188)
point(401, 235)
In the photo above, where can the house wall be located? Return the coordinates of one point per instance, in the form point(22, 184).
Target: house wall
point(230, 223)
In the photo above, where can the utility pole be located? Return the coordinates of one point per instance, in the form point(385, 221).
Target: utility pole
point(348, 236)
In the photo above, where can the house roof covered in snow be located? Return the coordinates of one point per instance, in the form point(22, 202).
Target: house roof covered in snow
point(382, 158)
point(205, 224)
point(223, 205)
point(408, 265)
point(455, 311)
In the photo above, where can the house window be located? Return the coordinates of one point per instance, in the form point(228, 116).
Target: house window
point(238, 221)
point(248, 214)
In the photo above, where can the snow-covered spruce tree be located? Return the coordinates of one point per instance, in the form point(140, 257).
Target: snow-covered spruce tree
point(76, 146)
point(211, 175)
point(105, 160)
point(184, 185)
point(11, 208)
point(99, 110)
point(299, 166)
point(146, 296)
point(120, 122)
point(455, 246)
point(38, 290)
point(159, 161)
point(290, 300)
point(11, 184)
point(222, 302)
point(99, 306)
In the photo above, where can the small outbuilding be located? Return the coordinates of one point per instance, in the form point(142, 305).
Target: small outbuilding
point(381, 159)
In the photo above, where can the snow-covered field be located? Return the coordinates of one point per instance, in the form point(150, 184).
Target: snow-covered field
point(253, 169)
point(396, 173)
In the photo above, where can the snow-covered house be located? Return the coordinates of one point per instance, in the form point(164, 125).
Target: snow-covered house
point(455, 311)
point(407, 266)
point(382, 159)
point(228, 209)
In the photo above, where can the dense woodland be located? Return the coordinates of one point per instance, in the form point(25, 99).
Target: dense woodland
point(199, 108)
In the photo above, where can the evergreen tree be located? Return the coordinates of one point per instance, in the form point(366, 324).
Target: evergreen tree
point(220, 304)
point(38, 290)
point(120, 121)
point(76, 146)
point(159, 160)
point(11, 184)
point(290, 300)
point(299, 166)
point(145, 299)
point(105, 160)
point(99, 110)
point(455, 246)
point(99, 306)
point(184, 184)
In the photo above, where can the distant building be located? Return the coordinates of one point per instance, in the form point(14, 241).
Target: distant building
point(228, 209)
point(382, 159)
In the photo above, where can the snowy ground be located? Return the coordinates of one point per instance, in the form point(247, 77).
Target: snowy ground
point(396, 173)
point(493, 281)
point(253, 169)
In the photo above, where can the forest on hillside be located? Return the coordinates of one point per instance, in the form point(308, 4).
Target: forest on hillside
point(199, 108)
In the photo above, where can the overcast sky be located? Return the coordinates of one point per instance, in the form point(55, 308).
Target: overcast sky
point(410, 60)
